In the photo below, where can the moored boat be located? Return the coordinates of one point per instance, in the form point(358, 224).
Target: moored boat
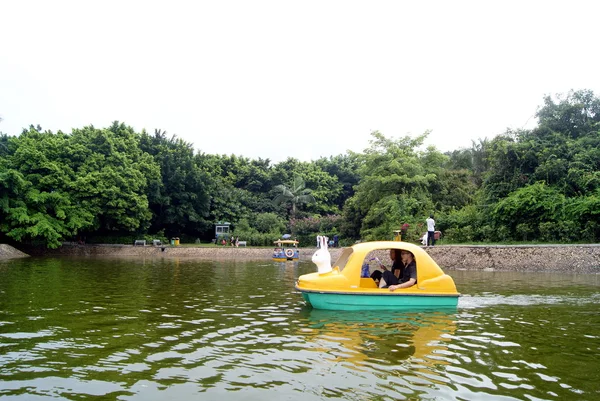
point(285, 250)
point(341, 287)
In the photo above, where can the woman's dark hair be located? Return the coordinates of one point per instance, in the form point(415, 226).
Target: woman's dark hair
point(397, 260)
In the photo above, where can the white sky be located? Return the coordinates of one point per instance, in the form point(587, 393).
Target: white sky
point(305, 79)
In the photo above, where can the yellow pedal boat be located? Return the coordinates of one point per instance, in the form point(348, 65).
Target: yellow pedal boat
point(341, 287)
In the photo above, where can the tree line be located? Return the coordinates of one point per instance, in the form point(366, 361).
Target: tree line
point(114, 184)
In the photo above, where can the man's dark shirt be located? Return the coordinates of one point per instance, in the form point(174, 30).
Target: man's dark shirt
point(410, 271)
point(406, 273)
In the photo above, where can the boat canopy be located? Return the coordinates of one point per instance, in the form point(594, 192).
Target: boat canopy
point(281, 242)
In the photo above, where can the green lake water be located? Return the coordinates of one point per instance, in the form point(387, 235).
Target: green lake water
point(159, 329)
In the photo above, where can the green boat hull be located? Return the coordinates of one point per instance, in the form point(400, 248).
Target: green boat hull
point(357, 302)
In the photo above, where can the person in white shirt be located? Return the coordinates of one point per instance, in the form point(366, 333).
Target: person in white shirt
point(430, 230)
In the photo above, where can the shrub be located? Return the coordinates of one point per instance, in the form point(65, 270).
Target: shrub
point(269, 223)
point(459, 234)
point(501, 234)
point(306, 225)
point(524, 231)
point(548, 231)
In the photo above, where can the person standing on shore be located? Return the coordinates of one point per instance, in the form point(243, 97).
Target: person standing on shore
point(430, 230)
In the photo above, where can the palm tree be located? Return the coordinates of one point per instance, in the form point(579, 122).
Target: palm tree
point(297, 194)
point(3, 141)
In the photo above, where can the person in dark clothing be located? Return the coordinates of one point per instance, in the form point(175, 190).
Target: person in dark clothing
point(397, 266)
point(376, 276)
point(407, 277)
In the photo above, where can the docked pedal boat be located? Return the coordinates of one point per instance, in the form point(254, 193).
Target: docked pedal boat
point(285, 250)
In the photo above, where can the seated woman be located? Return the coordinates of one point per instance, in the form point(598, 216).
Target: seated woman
point(397, 266)
point(407, 277)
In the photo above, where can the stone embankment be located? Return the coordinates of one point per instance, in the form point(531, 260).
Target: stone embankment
point(530, 258)
point(9, 252)
point(552, 258)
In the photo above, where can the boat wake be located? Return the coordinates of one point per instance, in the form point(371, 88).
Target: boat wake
point(482, 301)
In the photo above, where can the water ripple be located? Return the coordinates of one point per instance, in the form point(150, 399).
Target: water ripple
point(134, 330)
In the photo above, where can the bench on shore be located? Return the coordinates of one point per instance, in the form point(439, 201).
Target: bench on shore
point(156, 242)
point(141, 242)
point(241, 243)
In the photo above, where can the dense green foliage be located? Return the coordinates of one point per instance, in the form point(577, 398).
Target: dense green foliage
point(181, 197)
point(541, 184)
point(526, 185)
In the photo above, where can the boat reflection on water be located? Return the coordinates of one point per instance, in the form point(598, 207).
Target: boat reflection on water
point(382, 337)
point(287, 263)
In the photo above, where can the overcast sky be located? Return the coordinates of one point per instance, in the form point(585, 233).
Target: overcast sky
point(303, 79)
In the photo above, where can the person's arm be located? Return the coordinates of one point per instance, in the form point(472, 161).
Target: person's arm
point(412, 272)
point(408, 284)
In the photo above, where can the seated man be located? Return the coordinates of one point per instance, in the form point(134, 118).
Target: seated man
point(406, 277)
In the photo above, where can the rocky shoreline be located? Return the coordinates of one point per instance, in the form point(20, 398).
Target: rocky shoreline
point(527, 258)
point(532, 258)
point(9, 252)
